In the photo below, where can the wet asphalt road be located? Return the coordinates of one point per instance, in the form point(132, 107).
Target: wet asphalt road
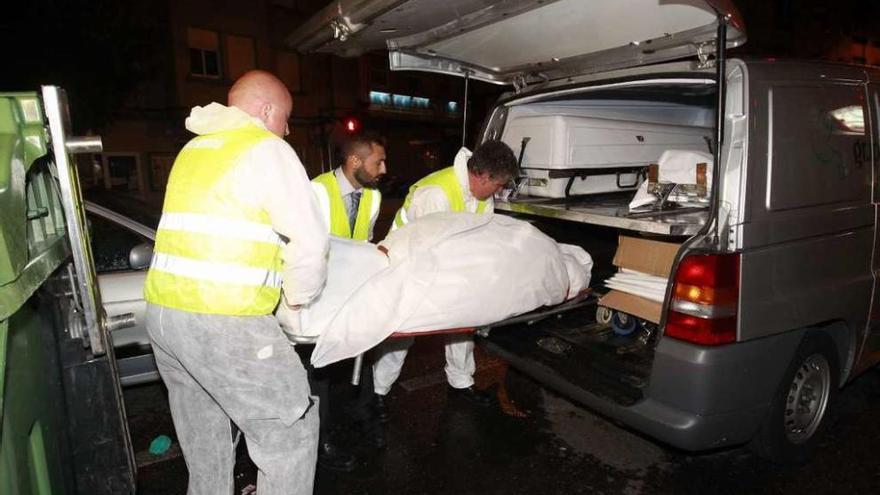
point(535, 442)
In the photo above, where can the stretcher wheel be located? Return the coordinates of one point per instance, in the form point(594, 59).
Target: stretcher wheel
point(603, 315)
point(624, 324)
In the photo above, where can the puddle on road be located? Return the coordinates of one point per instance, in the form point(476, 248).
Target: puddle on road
point(629, 456)
point(589, 434)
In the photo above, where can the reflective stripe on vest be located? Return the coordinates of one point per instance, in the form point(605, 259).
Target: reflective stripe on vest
point(214, 254)
point(337, 217)
point(444, 179)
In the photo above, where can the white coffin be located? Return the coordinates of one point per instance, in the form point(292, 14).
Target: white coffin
point(560, 143)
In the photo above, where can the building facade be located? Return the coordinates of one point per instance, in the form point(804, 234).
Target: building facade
point(204, 45)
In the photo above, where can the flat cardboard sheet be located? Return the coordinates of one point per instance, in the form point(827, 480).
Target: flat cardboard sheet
point(634, 305)
point(646, 256)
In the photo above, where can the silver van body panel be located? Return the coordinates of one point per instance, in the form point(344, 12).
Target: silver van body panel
point(699, 398)
point(868, 352)
point(808, 226)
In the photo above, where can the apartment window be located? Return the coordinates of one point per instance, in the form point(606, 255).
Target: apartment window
point(122, 172)
point(204, 52)
point(388, 101)
point(240, 55)
point(160, 169)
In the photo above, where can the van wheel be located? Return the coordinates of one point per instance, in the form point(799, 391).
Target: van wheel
point(800, 411)
point(623, 324)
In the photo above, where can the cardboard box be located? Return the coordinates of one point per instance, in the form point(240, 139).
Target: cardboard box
point(647, 256)
point(634, 305)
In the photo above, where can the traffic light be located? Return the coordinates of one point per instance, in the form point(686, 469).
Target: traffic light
point(351, 125)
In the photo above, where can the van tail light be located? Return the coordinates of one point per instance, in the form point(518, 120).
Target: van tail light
point(704, 299)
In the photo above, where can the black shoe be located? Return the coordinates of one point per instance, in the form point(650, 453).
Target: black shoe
point(372, 433)
point(470, 394)
point(380, 409)
point(333, 457)
point(376, 435)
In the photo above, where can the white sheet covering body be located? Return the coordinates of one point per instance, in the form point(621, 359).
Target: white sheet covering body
point(446, 270)
point(349, 265)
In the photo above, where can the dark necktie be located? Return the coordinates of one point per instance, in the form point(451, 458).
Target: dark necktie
point(353, 208)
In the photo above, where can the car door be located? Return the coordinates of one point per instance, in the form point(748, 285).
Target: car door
point(122, 250)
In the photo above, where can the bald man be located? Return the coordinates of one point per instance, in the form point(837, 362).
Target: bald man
point(239, 223)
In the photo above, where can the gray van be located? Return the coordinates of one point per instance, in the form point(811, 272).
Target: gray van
point(770, 302)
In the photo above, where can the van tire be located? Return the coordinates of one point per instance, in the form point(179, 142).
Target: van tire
point(811, 381)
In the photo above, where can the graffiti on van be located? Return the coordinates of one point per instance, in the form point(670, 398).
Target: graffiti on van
point(863, 152)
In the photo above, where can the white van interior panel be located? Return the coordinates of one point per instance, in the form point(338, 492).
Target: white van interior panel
point(515, 41)
point(584, 153)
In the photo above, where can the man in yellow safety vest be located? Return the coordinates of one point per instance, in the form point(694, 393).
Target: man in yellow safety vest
point(350, 203)
point(467, 186)
point(347, 194)
point(239, 223)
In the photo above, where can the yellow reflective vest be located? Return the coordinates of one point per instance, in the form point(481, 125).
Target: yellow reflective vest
point(213, 253)
point(446, 180)
point(330, 199)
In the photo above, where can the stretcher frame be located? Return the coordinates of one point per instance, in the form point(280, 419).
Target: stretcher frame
point(582, 298)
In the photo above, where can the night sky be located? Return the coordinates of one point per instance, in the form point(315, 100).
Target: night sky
point(99, 49)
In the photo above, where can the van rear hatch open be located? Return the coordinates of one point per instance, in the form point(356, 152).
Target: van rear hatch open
point(520, 41)
point(538, 45)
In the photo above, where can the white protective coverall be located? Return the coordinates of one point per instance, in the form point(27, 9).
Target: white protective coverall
point(221, 368)
point(460, 365)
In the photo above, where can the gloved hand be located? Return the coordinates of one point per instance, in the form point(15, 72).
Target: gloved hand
point(291, 323)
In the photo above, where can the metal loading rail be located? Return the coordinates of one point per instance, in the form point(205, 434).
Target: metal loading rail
point(611, 210)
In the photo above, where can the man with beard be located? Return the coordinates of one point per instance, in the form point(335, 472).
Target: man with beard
point(350, 203)
point(348, 194)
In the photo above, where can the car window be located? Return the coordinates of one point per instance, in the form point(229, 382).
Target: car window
point(112, 243)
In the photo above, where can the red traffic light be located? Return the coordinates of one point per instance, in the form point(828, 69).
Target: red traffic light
point(351, 125)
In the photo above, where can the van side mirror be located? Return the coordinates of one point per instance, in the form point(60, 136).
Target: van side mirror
point(140, 256)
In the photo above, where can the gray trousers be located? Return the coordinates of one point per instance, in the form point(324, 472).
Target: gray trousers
point(460, 366)
point(240, 368)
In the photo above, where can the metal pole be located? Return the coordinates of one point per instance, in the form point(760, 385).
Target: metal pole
point(720, 65)
point(356, 369)
point(467, 75)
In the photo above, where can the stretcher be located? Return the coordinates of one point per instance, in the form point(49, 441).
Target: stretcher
point(583, 298)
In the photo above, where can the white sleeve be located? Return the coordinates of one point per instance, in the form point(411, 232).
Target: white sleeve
point(427, 200)
point(323, 203)
point(281, 186)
